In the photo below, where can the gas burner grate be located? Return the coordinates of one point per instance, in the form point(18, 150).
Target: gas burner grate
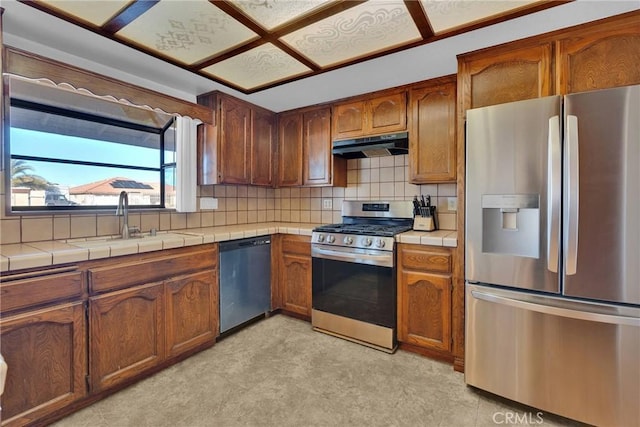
point(364, 229)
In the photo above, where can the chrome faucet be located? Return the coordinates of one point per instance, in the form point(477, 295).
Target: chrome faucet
point(123, 209)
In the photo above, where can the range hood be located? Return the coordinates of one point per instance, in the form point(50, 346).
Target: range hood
point(372, 146)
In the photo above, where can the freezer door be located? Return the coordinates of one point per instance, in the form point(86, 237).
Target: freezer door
point(578, 360)
point(513, 184)
point(602, 195)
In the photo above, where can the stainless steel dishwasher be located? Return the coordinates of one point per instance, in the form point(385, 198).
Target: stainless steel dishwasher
point(245, 280)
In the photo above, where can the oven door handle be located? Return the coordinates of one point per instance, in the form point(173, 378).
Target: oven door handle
point(383, 260)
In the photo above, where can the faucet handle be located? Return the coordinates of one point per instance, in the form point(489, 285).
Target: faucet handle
point(134, 229)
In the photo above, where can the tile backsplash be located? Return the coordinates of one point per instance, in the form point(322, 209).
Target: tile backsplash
point(376, 178)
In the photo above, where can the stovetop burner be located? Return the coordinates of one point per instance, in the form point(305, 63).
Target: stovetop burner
point(364, 229)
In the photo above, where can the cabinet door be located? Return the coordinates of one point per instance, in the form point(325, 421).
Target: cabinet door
point(295, 280)
point(290, 138)
point(126, 334)
point(192, 311)
point(263, 147)
point(425, 310)
point(235, 142)
point(432, 152)
point(349, 120)
point(599, 58)
point(317, 147)
point(496, 76)
point(46, 354)
point(387, 114)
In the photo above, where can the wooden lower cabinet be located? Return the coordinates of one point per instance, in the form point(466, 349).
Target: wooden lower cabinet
point(294, 275)
point(424, 298)
point(169, 308)
point(126, 335)
point(45, 351)
point(192, 311)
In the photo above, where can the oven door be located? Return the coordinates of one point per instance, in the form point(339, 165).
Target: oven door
point(355, 283)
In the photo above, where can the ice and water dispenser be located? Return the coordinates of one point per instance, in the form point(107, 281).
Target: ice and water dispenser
point(511, 224)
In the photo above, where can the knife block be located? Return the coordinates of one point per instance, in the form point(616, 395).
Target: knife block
point(427, 222)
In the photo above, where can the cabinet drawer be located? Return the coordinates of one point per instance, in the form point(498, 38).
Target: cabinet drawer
point(17, 294)
point(428, 259)
point(120, 275)
point(296, 245)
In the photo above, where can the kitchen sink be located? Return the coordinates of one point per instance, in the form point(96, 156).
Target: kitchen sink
point(111, 240)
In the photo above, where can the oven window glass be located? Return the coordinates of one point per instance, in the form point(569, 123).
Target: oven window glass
point(356, 291)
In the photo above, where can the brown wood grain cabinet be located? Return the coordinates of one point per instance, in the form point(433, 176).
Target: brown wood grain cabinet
point(45, 350)
point(240, 146)
point(432, 131)
point(599, 56)
point(370, 116)
point(294, 275)
point(146, 309)
point(290, 137)
point(126, 334)
point(513, 72)
point(235, 142)
point(263, 147)
point(305, 150)
point(424, 298)
point(191, 311)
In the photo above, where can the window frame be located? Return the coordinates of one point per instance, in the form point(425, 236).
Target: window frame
point(11, 102)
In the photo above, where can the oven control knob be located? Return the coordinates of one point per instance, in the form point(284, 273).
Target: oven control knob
point(380, 243)
point(367, 241)
point(348, 240)
point(320, 238)
point(331, 238)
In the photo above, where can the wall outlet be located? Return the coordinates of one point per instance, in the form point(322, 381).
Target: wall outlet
point(452, 204)
point(327, 204)
point(208, 203)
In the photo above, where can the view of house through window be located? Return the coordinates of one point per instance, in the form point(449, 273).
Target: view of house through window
point(64, 156)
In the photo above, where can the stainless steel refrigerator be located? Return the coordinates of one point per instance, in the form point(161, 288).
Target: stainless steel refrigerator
point(553, 254)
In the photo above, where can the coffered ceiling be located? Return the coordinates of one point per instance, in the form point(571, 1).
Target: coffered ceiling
point(251, 45)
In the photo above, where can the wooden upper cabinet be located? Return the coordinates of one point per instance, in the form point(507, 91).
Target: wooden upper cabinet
point(290, 149)
point(512, 73)
point(349, 120)
point(382, 114)
point(263, 147)
point(432, 132)
point(598, 58)
point(316, 127)
point(387, 113)
point(235, 142)
point(240, 146)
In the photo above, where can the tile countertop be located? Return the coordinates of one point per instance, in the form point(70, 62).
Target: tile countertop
point(20, 256)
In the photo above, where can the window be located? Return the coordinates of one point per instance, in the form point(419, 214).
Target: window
point(69, 151)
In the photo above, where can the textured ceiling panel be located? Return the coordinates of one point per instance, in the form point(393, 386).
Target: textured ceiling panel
point(96, 13)
point(251, 45)
point(187, 31)
point(363, 30)
point(274, 13)
point(257, 67)
point(447, 15)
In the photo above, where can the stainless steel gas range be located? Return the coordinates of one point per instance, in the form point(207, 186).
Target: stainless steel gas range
point(354, 274)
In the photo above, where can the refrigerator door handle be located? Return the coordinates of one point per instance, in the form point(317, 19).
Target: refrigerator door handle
point(557, 311)
point(571, 237)
point(554, 185)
